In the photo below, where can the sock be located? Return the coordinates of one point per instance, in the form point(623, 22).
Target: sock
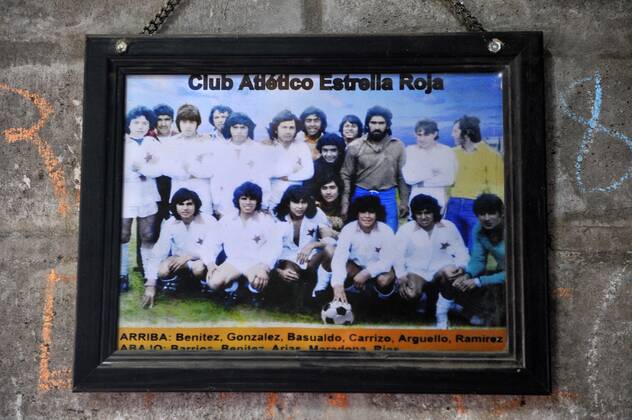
point(385, 294)
point(124, 259)
point(323, 278)
point(232, 288)
point(443, 306)
point(252, 289)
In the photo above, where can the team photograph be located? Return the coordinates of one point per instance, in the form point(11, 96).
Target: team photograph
point(325, 200)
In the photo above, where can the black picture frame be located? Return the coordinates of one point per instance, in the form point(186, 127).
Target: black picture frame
point(524, 369)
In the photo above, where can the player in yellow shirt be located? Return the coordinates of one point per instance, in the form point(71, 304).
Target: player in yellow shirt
point(480, 170)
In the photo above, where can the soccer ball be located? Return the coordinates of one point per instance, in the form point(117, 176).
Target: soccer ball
point(337, 313)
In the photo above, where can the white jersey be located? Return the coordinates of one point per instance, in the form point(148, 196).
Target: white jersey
point(374, 251)
point(308, 234)
point(294, 162)
point(252, 241)
point(424, 254)
point(181, 155)
point(216, 134)
point(141, 166)
point(200, 240)
point(430, 171)
point(234, 165)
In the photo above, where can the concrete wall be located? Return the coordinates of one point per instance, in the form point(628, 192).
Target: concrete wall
point(589, 157)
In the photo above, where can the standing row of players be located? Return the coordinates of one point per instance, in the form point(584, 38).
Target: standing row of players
point(375, 165)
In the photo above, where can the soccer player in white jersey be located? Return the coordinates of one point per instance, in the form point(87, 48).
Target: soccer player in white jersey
point(141, 166)
point(430, 166)
point(186, 249)
point(183, 150)
point(238, 160)
point(426, 245)
point(164, 131)
point(292, 162)
point(217, 117)
point(252, 243)
point(362, 266)
point(301, 223)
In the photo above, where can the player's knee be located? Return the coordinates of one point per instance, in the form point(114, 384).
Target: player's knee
point(125, 236)
point(385, 279)
point(163, 270)
point(198, 269)
point(329, 252)
point(217, 281)
point(148, 236)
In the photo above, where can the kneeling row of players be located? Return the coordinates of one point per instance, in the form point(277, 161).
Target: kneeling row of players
point(297, 262)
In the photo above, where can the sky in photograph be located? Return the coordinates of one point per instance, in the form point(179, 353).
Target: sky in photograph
point(477, 94)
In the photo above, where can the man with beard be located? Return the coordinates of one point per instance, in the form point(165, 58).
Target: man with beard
point(314, 122)
point(373, 166)
point(217, 118)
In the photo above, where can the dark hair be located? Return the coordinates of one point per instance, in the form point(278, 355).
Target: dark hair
point(312, 110)
point(428, 127)
point(470, 126)
point(295, 193)
point(332, 139)
point(188, 112)
point(367, 203)
point(162, 109)
point(353, 120)
point(238, 118)
point(140, 111)
point(180, 197)
point(378, 111)
point(488, 203)
point(250, 190)
point(284, 115)
point(425, 202)
point(324, 180)
point(218, 108)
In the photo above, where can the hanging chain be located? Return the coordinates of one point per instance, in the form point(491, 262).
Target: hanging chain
point(457, 8)
point(464, 16)
point(155, 24)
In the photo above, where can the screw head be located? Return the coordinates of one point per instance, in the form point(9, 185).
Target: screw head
point(121, 46)
point(495, 45)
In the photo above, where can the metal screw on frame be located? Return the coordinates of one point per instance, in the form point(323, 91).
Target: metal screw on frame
point(495, 45)
point(121, 46)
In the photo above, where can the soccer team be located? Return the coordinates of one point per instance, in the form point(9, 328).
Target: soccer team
point(306, 216)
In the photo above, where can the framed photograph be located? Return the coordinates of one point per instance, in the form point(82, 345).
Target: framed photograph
point(325, 214)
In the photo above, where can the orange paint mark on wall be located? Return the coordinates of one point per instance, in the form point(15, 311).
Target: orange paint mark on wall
point(563, 292)
point(561, 395)
point(271, 402)
point(460, 406)
point(339, 400)
point(148, 399)
point(51, 379)
point(53, 167)
point(503, 405)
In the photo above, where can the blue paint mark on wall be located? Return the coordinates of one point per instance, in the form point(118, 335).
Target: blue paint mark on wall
point(594, 126)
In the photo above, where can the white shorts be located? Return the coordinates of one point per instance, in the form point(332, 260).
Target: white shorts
point(241, 264)
point(130, 212)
